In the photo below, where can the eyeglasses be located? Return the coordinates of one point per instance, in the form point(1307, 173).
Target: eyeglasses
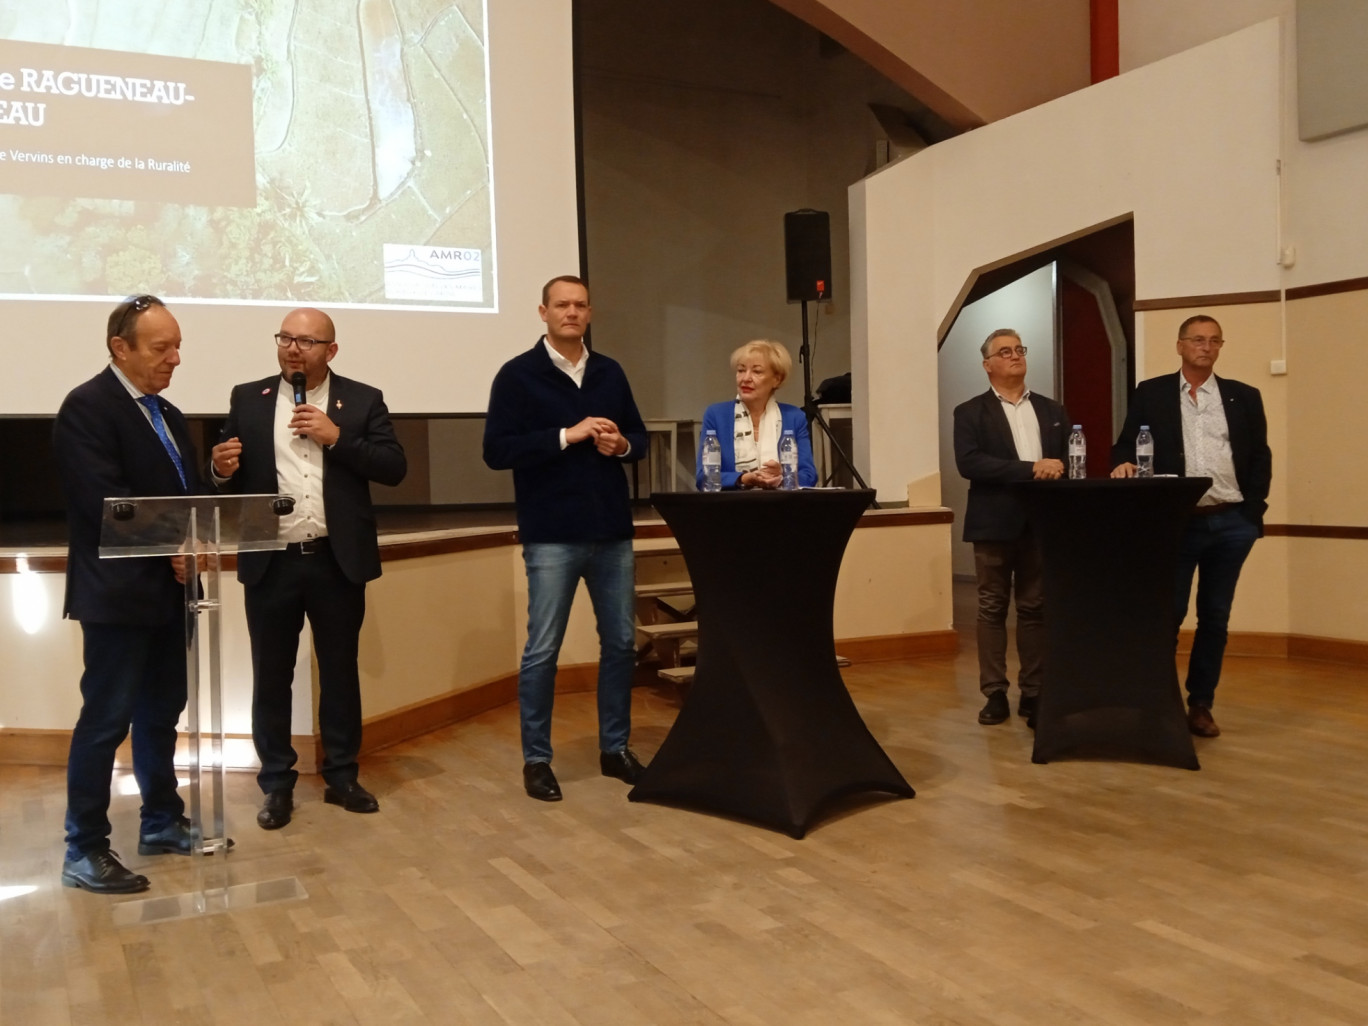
point(136, 306)
point(284, 341)
point(1004, 353)
point(1202, 341)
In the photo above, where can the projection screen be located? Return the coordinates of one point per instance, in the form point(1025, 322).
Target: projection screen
point(406, 165)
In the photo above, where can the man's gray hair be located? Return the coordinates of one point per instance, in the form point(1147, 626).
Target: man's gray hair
point(988, 342)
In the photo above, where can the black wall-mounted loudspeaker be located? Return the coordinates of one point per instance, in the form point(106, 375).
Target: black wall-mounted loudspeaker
point(807, 255)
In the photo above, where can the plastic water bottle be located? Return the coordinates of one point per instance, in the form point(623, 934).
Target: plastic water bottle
point(712, 463)
point(1144, 452)
point(788, 460)
point(1078, 454)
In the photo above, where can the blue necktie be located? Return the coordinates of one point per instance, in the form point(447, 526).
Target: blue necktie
point(159, 425)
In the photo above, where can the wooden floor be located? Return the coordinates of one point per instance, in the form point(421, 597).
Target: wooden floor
point(1004, 893)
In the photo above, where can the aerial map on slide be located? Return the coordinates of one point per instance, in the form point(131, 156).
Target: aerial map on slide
point(320, 151)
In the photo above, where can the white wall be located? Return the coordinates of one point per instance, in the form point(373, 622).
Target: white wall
point(1028, 306)
point(1189, 144)
point(1151, 30)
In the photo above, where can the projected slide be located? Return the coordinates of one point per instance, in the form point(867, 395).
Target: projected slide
point(331, 152)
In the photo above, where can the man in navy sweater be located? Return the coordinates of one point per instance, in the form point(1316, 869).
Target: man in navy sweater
point(563, 420)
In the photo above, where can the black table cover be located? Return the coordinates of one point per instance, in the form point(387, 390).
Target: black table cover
point(1111, 685)
point(768, 731)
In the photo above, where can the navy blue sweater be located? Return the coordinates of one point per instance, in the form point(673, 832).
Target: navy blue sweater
point(573, 494)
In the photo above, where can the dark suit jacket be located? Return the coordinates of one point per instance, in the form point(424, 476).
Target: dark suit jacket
point(105, 447)
point(986, 454)
point(1155, 403)
point(366, 451)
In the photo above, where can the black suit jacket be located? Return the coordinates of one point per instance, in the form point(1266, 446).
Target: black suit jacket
point(1156, 403)
point(366, 451)
point(986, 454)
point(105, 447)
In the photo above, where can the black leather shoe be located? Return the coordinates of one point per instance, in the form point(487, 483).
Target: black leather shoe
point(540, 783)
point(276, 810)
point(997, 710)
point(175, 839)
point(352, 797)
point(1026, 708)
point(101, 872)
point(624, 765)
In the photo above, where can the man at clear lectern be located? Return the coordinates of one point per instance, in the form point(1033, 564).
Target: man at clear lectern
point(115, 436)
point(323, 446)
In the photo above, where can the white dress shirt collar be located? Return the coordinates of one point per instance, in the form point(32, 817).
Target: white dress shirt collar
point(574, 370)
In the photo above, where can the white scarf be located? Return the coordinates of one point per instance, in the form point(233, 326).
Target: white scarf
point(745, 436)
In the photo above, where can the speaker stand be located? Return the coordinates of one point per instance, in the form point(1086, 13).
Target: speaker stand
point(814, 413)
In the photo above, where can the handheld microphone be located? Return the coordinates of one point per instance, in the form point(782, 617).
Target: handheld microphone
point(300, 385)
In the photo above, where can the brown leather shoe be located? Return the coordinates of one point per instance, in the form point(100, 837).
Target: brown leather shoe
point(1201, 723)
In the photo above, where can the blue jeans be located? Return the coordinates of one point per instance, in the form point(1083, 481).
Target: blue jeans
point(133, 676)
point(553, 571)
point(1214, 547)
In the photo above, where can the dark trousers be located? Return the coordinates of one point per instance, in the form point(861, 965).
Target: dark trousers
point(134, 677)
point(1214, 547)
point(296, 585)
point(999, 565)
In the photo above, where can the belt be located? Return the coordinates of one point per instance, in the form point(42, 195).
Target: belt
point(1215, 507)
point(308, 548)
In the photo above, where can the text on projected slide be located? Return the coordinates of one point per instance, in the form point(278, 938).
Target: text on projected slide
point(101, 124)
point(292, 151)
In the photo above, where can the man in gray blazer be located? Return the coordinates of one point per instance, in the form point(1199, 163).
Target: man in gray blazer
point(1007, 435)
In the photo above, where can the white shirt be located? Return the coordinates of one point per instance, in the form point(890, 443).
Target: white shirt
point(575, 372)
point(1206, 441)
point(299, 466)
point(137, 394)
point(1021, 417)
point(761, 440)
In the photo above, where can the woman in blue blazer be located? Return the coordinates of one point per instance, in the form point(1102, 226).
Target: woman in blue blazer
point(750, 426)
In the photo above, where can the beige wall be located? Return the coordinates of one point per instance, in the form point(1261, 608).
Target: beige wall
point(1328, 589)
point(441, 625)
point(41, 672)
point(972, 60)
point(894, 581)
point(1151, 30)
point(1301, 586)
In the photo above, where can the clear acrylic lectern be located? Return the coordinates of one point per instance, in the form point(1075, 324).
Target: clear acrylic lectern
point(205, 527)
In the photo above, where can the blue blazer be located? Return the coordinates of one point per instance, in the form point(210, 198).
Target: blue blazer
point(720, 417)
